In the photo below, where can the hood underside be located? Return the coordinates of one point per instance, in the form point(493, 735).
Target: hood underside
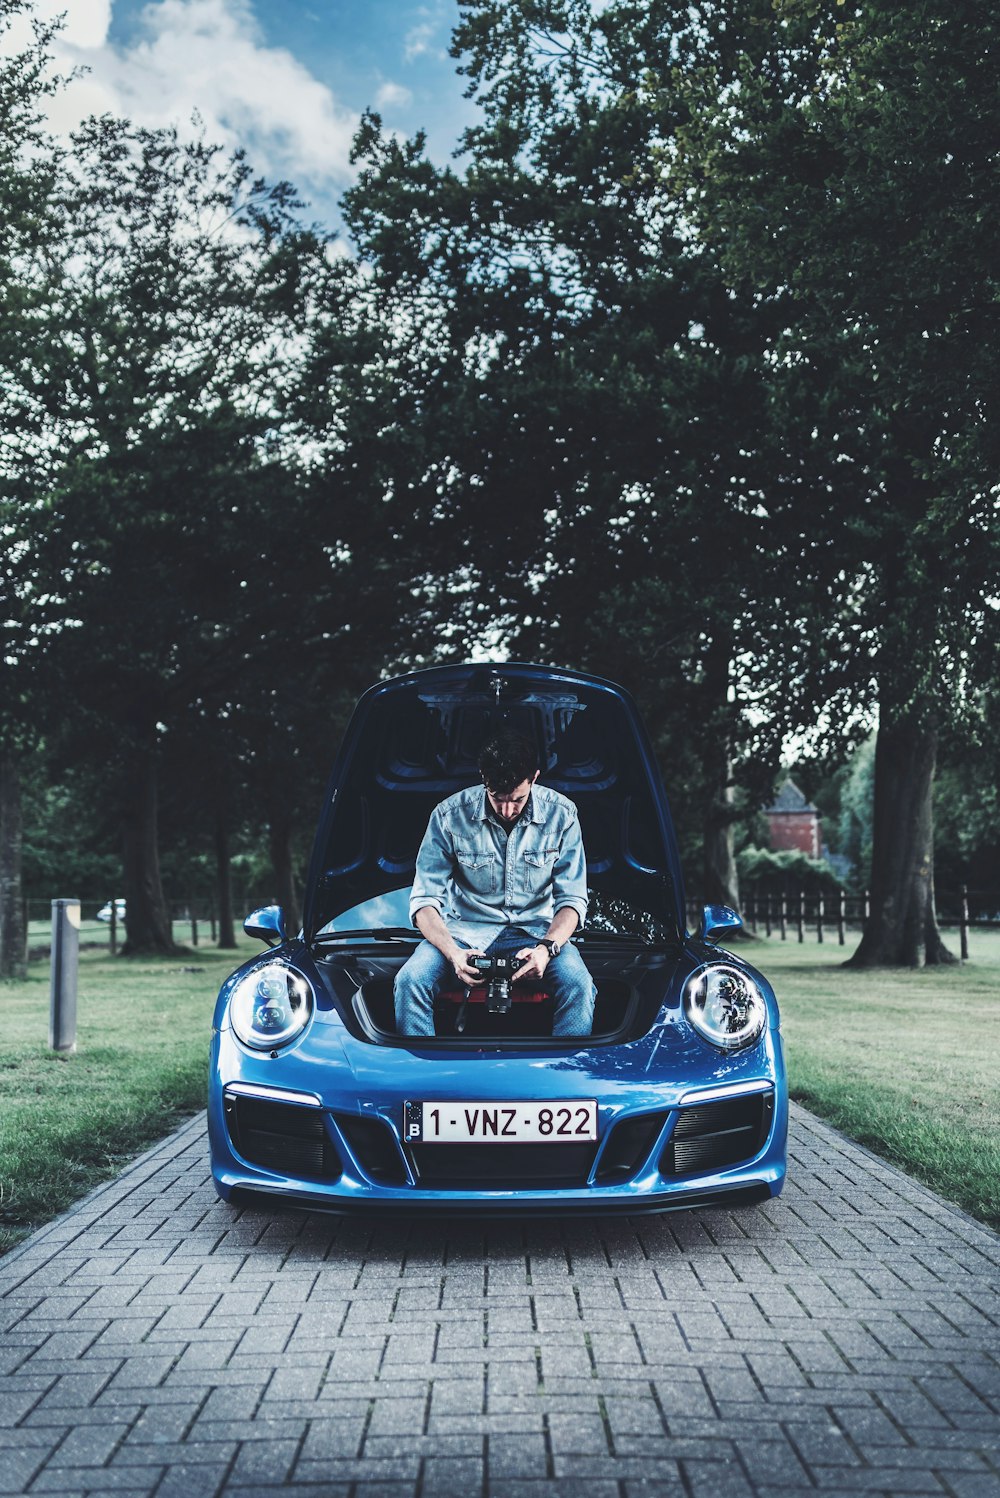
point(415, 740)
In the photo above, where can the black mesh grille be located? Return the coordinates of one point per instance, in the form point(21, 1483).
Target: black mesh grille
point(283, 1137)
point(375, 1149)
point(488, 1167)
point(628, 1146)
point(715, 1135)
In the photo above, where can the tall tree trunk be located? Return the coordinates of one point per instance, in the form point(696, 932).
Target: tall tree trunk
point(283, 865)
point(13, 926)
point(223, 875)
point(902, 930)
point(147, 920)
point(719, 879)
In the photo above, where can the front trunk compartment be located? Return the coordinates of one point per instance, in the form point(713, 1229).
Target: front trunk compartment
point(630, 994)
point(529, 1018)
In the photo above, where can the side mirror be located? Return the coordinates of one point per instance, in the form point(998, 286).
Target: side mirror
point(718, 918)
point(266, 924)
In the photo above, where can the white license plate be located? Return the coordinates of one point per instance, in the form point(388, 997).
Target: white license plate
point(491, 1122)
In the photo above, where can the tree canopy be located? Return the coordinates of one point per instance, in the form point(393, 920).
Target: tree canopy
point(681, 371)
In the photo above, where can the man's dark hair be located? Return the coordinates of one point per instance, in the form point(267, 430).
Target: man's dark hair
point(506, 760)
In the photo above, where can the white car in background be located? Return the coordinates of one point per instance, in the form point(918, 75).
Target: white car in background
point(104, 914)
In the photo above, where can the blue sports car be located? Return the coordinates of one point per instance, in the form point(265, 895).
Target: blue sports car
point(677, 1098)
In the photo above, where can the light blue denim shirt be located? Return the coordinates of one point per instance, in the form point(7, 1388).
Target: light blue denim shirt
point(480, 878)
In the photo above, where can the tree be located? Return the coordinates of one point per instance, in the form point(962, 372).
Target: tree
point(171, 317)
point(28, 163)
point(844, 162)
point(595, 397)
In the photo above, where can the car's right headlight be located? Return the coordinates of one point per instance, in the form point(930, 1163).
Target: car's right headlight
point(725, 1006)
point(270, 1006)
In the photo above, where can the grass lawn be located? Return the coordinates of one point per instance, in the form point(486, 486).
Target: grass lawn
point(905, 1062)
point(70, 1121)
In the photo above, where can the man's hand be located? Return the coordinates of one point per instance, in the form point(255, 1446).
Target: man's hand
point(467, 975)
point(533, 960)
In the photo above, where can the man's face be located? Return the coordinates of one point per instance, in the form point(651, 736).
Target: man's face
point(510, 804)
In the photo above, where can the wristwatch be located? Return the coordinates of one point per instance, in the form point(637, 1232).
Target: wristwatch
point(552, 947)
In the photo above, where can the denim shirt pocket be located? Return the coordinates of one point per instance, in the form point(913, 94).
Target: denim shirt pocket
point(536, 868)
point(476, 869)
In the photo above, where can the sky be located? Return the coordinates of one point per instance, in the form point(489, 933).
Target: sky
point(286, 79)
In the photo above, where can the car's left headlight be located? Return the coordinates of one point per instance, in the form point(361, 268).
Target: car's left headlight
point(270, 1006)
point(725, 1006)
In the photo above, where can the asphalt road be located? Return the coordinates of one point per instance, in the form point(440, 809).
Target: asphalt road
point(845, 1339)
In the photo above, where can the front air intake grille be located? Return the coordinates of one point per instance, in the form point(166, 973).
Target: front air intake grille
point(282, 1137)
point(628, 1146)
point(503, 1167)
point(712, 1136)
point(374, 1148)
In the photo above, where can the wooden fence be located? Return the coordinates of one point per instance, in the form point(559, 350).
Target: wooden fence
point(825, 915)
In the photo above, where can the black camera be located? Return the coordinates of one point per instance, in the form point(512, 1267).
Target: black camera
point(496, 973)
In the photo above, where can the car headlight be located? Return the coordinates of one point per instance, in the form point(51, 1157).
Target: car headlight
point(725, 1006)
point(270, 1006)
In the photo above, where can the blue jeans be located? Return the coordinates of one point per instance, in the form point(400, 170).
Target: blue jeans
point(420, 979)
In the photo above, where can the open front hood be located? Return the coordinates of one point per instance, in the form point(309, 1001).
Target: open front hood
point(416, 739)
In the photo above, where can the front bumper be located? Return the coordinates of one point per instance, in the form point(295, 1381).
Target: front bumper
point(323, 1126)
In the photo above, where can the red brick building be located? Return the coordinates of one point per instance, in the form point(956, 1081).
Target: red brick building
point(794, 821)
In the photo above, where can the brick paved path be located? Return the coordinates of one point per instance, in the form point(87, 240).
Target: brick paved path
point(843, 1339)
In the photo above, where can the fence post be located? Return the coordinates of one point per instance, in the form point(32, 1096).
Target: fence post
point(963, 923)
point(113, 934)
point(211, 920)
point(802, 914)
point(868, 906)
point(841, 914)
point(767, 913)
point(63, 974)
point(194, 928)
point(819, 917)
point(784, 913)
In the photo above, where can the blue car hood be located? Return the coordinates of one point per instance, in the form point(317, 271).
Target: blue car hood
point(416, 739)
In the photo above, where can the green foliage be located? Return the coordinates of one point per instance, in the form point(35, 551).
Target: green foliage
point(785, 868)
point(154, 374)
point(154, 379)
point(967, 830)
point(29, 164)
point(185, 597)
point(856, 784)
point(597, 398)
point(68, 848)
point(843, 164)
point(966, 818)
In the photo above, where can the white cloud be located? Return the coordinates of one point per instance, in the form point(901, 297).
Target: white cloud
point(429, 36)
point(392, 96)
point(209, 57)
point(418, 40)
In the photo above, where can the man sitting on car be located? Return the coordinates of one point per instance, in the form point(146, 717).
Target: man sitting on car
point(501, 870)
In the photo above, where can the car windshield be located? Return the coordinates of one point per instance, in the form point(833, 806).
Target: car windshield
point(391, 909)
point(607, 916)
